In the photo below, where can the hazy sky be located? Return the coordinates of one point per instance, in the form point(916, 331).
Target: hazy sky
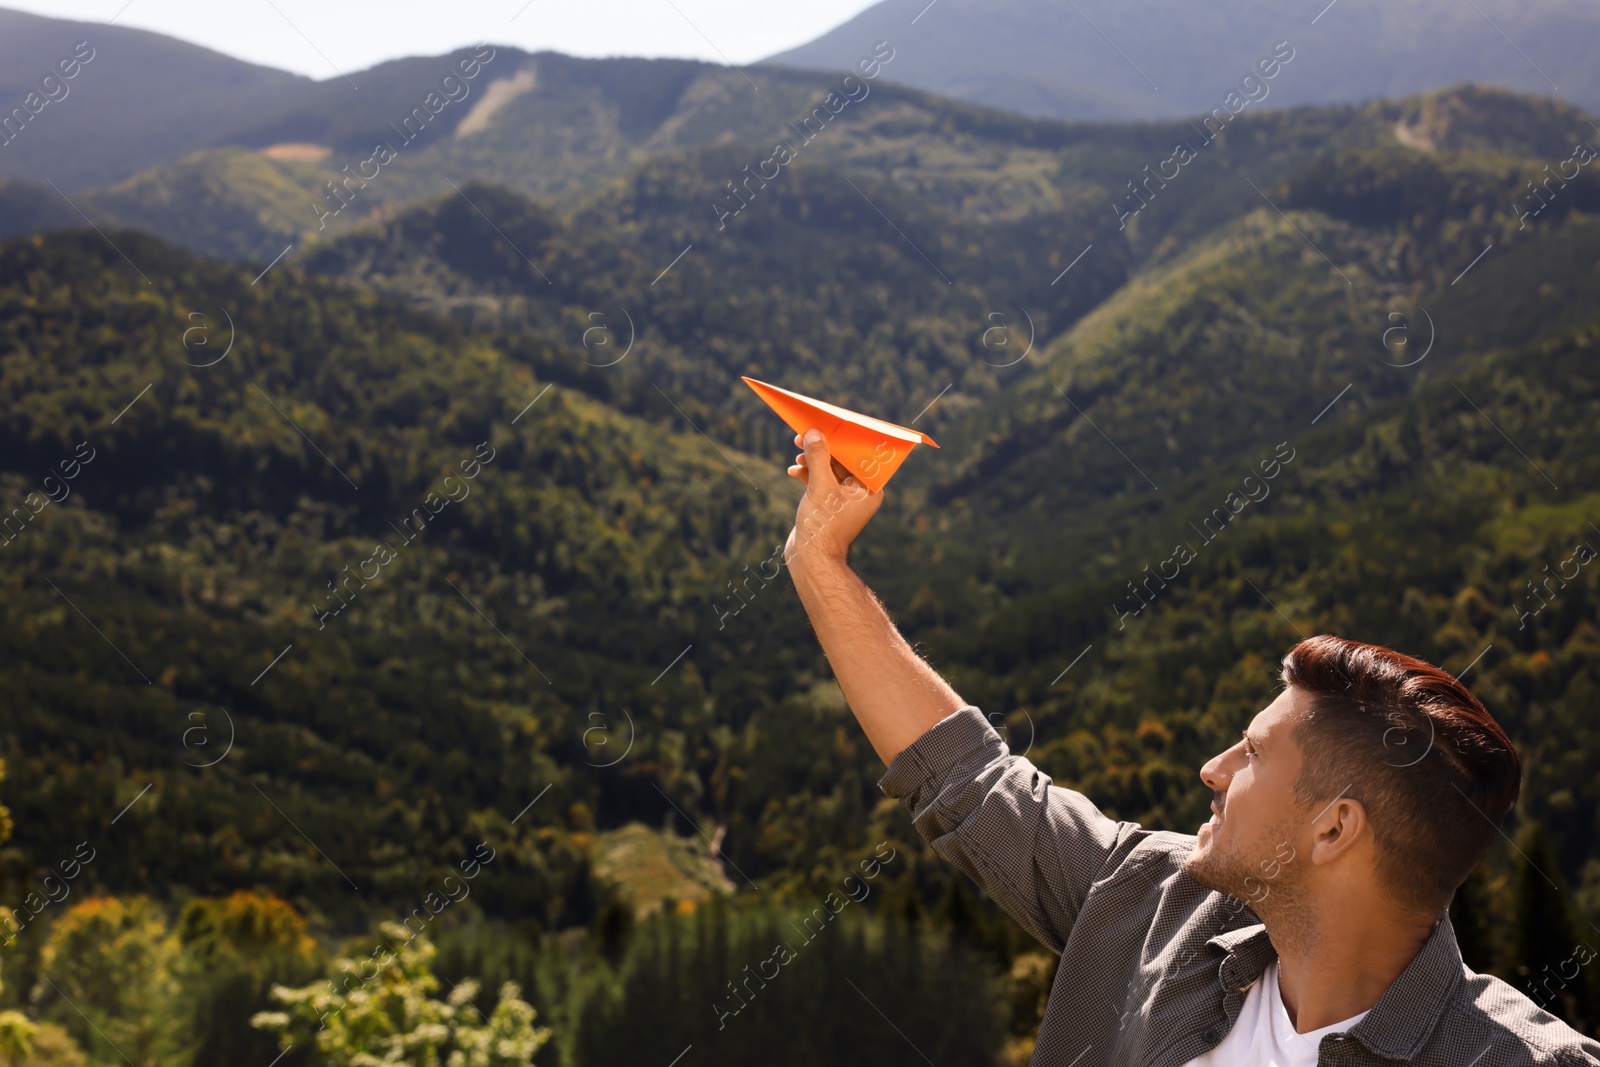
point(322, 38)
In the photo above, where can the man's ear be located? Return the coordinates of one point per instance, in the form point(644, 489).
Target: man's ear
point(1338, 829)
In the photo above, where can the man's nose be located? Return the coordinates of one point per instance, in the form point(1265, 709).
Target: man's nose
point(1216, 773)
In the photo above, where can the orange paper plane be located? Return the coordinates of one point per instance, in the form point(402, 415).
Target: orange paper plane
point(869, 448)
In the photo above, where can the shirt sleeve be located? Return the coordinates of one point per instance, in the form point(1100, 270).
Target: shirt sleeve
point(1035, 848)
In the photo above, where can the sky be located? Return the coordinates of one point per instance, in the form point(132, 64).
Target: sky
point(324, 38)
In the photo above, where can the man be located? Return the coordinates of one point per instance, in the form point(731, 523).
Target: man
point(1347, 814)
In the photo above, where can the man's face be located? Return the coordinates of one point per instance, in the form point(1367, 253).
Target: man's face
point(1252, 847)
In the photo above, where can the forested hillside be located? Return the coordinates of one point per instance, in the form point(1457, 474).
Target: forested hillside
point(451, 536)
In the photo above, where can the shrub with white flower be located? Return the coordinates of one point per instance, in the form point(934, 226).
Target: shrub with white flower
point(381, 1011)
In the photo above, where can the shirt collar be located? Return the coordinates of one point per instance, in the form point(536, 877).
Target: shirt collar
point(1405, 1016)
point(1249, 952)
point(1410, 1009)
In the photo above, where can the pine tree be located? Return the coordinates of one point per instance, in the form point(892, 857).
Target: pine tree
point(1545, 949)
point(1469, 915)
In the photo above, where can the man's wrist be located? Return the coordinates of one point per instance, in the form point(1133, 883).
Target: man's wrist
point(810, 562)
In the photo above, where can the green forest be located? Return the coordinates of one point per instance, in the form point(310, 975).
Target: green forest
point(398, 650)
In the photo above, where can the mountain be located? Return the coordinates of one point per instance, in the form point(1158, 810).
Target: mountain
point(381, 571)
point(1209, 330)
point(1342, 355)
point(990, 234)
point(135, 99)
point(810, 271)
point(1098, 59)
point(146, 101)
point(242, 200)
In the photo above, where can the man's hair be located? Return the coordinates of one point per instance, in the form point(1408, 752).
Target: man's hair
point(1434, 771)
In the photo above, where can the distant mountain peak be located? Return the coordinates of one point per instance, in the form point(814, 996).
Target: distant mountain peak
point(1109, 59)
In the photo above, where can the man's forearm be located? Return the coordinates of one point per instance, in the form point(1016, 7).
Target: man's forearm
point(895, 695)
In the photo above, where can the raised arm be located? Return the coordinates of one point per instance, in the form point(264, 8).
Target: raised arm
point(895, 695)
point(1033, 847)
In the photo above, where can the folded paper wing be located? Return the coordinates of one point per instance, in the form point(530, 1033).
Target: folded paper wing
point(869, 448)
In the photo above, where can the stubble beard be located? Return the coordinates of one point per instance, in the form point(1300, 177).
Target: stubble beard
point(1279, 901)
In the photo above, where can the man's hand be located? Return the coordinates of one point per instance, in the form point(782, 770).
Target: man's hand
point(895, 695)
point(835, 508)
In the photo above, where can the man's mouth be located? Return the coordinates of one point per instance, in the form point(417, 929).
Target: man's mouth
point(1216, 817)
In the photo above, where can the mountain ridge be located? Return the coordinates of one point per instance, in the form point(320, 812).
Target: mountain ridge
point(474, 536)
point(1102, 60)
point(143, 100)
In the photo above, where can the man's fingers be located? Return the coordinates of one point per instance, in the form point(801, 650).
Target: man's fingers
point(843, 477)
point(818, 461)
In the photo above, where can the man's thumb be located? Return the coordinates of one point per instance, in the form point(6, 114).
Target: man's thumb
point(818, 459)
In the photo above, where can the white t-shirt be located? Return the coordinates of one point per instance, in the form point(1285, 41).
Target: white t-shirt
point(1264, 1036)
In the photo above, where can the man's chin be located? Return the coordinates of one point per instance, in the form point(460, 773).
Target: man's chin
point(1213, 871)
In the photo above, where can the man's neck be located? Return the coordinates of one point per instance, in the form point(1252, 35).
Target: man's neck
point(1335, 962)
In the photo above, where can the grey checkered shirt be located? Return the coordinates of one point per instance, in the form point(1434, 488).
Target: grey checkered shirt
point(1154, 966)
